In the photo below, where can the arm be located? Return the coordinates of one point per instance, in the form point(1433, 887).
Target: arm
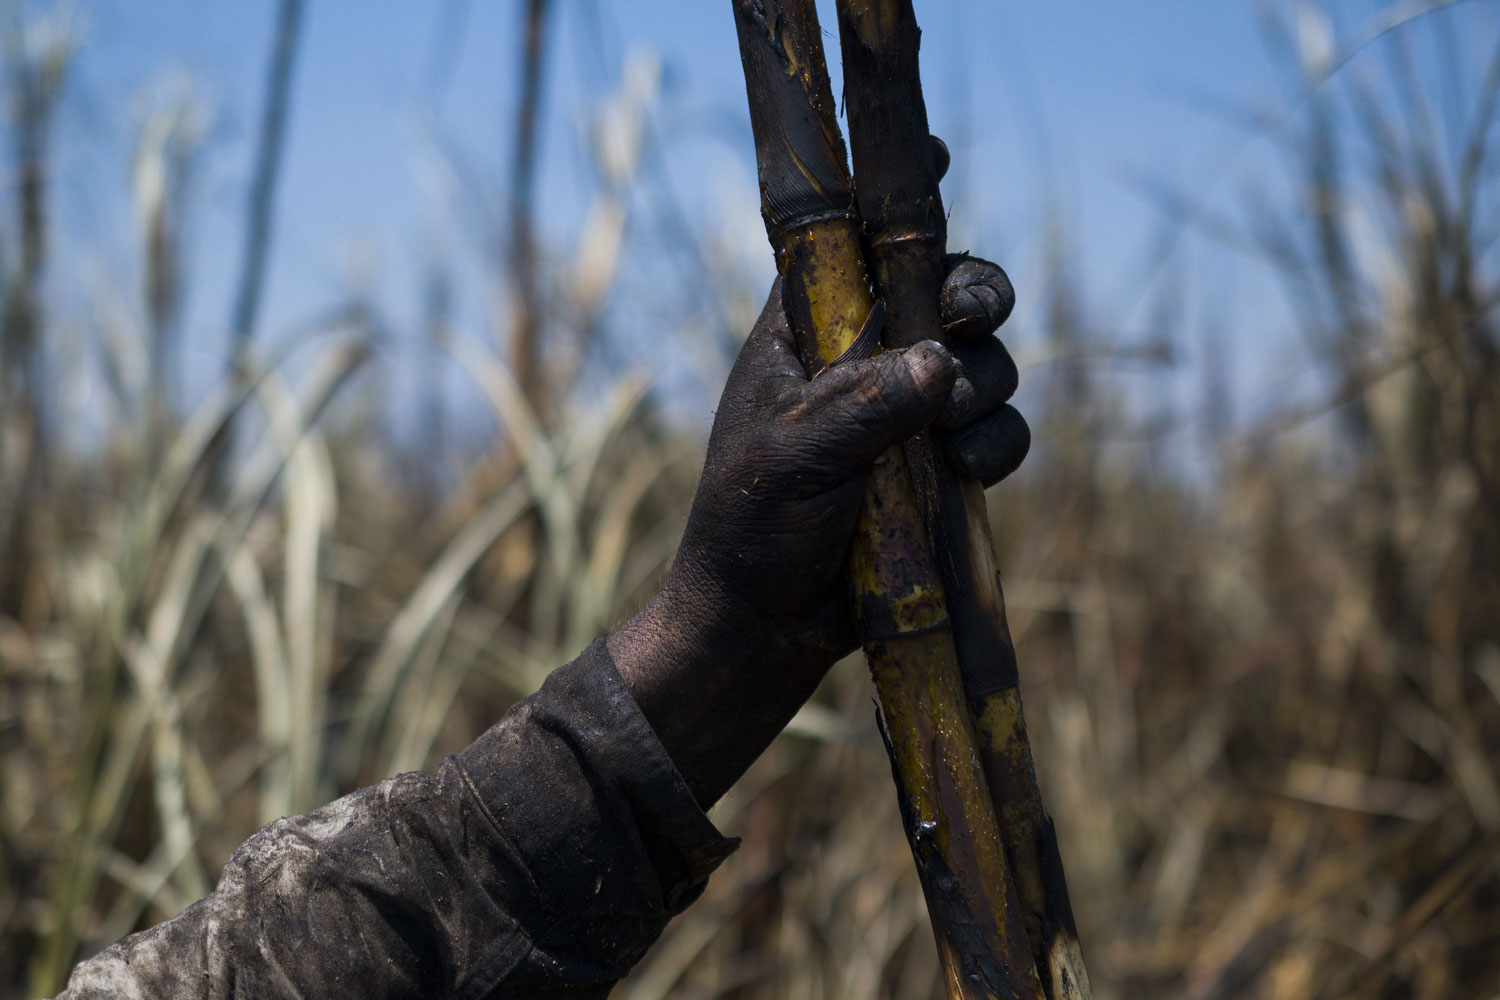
point(546, 856)
point(550, 854)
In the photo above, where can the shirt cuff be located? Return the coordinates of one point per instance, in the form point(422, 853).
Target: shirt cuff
point(577, 783)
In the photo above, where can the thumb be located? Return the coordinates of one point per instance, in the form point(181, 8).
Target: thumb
point(856, 411)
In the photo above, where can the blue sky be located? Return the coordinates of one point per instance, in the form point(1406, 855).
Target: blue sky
point(1055, 110)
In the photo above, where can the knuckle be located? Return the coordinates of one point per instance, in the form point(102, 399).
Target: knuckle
point(991, 449)
point(1008, 379)
point(874, 400)
point(994, 375)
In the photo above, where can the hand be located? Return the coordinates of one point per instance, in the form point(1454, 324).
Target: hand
point(758, 596)
point(767, 541)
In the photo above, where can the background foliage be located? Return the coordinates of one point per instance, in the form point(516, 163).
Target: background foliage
point(1263, 679)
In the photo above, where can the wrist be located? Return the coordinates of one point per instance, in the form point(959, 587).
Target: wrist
point(716, 684)
point(704, 615)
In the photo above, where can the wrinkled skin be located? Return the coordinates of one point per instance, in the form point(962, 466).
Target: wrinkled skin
point(773, 518)
point(757, 605)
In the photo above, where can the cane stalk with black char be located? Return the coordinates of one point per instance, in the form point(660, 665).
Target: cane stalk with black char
point(904, 232)
point(899, 597)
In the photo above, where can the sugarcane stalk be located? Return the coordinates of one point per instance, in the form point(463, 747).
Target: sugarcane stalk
point(901, 607)
point(904, 235)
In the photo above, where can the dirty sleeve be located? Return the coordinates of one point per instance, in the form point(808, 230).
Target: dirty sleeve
point(542, 860)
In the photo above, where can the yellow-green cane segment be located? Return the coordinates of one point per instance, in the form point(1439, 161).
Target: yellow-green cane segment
point(899, 595)
point(904, 235)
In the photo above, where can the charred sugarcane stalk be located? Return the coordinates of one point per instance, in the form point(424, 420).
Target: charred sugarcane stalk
point(904, 232)
point(901, 606)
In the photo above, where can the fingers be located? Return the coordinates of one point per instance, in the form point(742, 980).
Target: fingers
point(849, 415)
point(852, 413)
point(992, 448)
point(975, 299)
point(941, 158)
point(987, 378)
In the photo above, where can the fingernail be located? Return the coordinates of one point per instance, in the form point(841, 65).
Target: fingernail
point(931, 366)
point(988, 304)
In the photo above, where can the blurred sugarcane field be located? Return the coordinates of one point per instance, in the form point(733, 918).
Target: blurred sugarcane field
point(284, 512)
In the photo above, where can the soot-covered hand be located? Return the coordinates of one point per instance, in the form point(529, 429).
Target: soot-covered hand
point(757, 605)
point(768, 538)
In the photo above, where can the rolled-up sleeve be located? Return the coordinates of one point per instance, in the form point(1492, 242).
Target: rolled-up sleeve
point(543, 859)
